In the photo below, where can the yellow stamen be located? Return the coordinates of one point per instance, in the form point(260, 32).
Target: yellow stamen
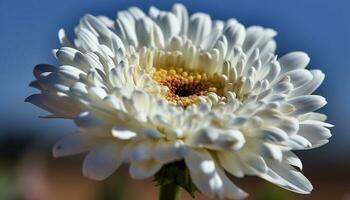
point(185, 87)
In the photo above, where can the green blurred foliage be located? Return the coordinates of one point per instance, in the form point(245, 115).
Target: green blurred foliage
point(6, 181)
point(272, 192)
point(112, 188)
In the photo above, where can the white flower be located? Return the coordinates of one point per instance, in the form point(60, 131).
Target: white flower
point(153, 89)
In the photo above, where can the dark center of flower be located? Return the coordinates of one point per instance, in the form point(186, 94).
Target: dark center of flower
point(185, 87)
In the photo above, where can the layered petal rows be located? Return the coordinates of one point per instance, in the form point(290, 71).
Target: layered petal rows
point(260, 110)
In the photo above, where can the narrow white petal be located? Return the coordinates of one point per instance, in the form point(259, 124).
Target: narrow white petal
point(274, 135)
point(235, 33)
point(313, 116)
point(63, 38)
point(314, 133)
point(288, 178)
point(182, 15)
point(254, 164)
point(59, 106)
point(307, 103)
point(231, 191)
point(167, 22)
point(298, 142)
point(292, 159)
point(74, 144)
point(148, 33)
point(311, 86)
point(257, 38)
point(199, 27)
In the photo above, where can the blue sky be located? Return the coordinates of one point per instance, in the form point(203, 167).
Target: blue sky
point(321, 28)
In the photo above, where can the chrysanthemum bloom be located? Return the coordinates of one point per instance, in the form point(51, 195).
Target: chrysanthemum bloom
point(189, 93)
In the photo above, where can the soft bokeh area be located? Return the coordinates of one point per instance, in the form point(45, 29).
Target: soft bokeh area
point(28, 32)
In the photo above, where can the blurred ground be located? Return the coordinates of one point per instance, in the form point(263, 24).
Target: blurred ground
point(28, 172)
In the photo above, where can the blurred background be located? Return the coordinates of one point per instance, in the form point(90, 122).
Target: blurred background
point(28, 32)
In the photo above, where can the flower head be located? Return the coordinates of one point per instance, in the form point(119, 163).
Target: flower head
point(167, 87)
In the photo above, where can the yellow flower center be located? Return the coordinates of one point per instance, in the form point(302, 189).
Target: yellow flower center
point(184, 87)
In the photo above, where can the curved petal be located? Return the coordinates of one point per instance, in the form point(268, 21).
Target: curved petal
point(209, 178)
point(293, 61)
point(144, 169)
point(74, 144)
point(288, 178)
point(169, 151)
point(102, 161)
point(311, 86)
point(307, 103)
point(219, 139)
point(199, 27)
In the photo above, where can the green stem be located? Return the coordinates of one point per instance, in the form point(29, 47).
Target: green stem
point(170, 191)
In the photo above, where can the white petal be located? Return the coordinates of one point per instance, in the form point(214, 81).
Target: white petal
point(168, 151)
point(74, 144)
point(86, 40)
point(313, 116)
point(87, 120)
point(235, 33)
point(288, 178)
point(70, 71)
point(293, 61)
point(200, 161)
point(310, 87)
point(209, 41)
point(298, 77)
point(314, 133)
point(97, 25)
point(274, 135)
point(144, 169)
point(274, 71)
point(125, 28)
point(231, 191)
point(141, 101)
point(122, 133)
point(148, 33)
point(307, 103)
point(144, 150)
point(199, 27)
point(231, 163)
point(257, 38)
point(253, 164)
point(182, 15)
point(210, 179)
point(290, 125)
point(136, 12)
point(317, 122)
point(102, 161)
point(272, 151)
point(63, 38)
point(292, 159)
point(59, 106)
point(217, 138)
point(167, 22)
point(298, 142)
